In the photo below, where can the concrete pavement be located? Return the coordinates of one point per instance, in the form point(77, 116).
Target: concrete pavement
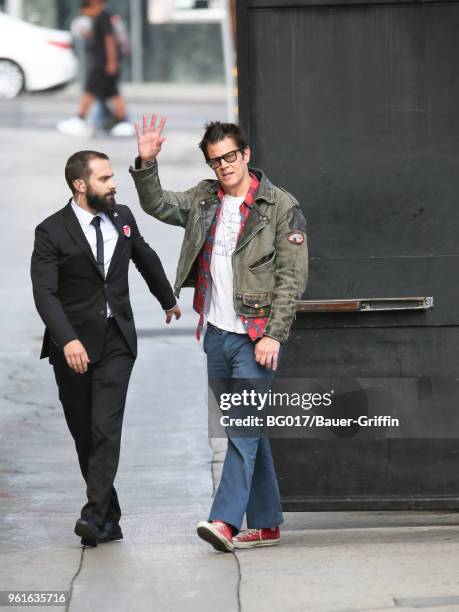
point(187, 106)
point(327, 562)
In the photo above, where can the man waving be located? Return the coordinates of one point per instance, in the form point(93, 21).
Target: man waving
point(244, 252)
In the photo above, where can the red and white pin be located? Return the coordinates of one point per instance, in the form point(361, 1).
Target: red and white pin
point(127, 231)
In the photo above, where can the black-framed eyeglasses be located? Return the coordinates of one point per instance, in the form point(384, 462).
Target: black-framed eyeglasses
point(229, 157)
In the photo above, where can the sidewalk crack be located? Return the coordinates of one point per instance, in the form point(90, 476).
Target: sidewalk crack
point(238, 587)
point(72, 582)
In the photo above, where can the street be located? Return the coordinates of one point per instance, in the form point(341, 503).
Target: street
point(326, 562)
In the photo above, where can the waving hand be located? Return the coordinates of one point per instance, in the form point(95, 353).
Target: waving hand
point(150, 138)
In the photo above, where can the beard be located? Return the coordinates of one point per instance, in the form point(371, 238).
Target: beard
point(103, 204)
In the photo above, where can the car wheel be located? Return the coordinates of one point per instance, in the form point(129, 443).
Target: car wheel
point(11, 79)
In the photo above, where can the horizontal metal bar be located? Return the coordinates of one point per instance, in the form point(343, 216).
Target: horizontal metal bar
point(416, 303)
point(369, 502)
point(328, 305)
point(366, 304)
point(289, 4)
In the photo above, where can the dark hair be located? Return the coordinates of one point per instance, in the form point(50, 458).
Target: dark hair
point(86, 4)
point(217, 131)
point(77, 166)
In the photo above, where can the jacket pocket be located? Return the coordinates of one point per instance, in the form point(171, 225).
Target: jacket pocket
point(263, 261)
point(254, 304)
point(257, 300)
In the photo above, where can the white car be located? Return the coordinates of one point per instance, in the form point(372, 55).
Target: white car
point(33, 58)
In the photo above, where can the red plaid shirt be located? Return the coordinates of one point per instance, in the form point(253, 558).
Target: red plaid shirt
point(254, 327)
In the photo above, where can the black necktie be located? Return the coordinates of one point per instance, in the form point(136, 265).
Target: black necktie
point(100, 244)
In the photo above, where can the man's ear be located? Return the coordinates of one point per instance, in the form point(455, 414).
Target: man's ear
point(79, 185)
point(247, 154)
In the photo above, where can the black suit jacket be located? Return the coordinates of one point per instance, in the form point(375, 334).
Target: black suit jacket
point(70, 292)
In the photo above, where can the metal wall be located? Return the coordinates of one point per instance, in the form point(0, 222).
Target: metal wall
point(352, 106)
point(183, 52)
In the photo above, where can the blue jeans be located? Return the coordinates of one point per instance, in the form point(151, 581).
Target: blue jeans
point(249, 483)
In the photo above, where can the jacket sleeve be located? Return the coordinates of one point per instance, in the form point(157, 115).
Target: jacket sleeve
point(149, 265)
point(171, 207)
point(291, 272)
point(44, 272)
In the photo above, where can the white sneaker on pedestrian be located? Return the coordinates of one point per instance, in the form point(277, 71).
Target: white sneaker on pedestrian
point(75, 126)
point(122, 129)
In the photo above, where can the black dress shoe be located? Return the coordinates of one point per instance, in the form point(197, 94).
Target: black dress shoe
point(110, 532)
point(88, 531)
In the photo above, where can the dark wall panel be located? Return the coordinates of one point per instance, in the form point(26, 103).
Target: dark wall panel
point(352, 106)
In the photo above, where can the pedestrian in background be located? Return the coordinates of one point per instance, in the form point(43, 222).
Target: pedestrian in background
point(104, 53)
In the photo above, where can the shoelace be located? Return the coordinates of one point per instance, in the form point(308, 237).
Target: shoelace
point(255, 532)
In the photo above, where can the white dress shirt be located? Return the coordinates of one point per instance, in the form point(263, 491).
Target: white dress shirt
point(109, 234)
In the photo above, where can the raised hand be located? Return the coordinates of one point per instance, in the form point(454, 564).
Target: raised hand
point(150, 139)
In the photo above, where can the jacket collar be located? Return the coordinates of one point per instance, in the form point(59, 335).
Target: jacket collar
point(265, 190)
point(74, 228)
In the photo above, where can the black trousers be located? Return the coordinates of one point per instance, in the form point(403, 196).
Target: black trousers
point(94, 408)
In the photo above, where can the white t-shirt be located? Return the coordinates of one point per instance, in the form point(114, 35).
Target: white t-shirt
point(219, 298)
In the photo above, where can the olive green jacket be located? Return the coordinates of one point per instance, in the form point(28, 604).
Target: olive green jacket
point(270, 262)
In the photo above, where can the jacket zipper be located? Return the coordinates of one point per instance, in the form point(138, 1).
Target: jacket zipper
point(260, 227)
point(193, 259)
point(257, 229)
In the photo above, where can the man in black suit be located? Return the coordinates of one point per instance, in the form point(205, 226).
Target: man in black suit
point(80, 284)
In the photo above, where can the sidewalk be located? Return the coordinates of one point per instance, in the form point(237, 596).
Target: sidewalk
point(187, 106)
point(330, 562)
point(326, 562)
point(191, 93)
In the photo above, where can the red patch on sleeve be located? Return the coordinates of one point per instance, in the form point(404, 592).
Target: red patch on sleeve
point(295, 238)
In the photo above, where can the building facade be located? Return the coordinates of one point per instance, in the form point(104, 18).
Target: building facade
point(172, 40)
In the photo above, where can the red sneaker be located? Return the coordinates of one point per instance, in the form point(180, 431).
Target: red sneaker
point(257, 537)
point(217, 533)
